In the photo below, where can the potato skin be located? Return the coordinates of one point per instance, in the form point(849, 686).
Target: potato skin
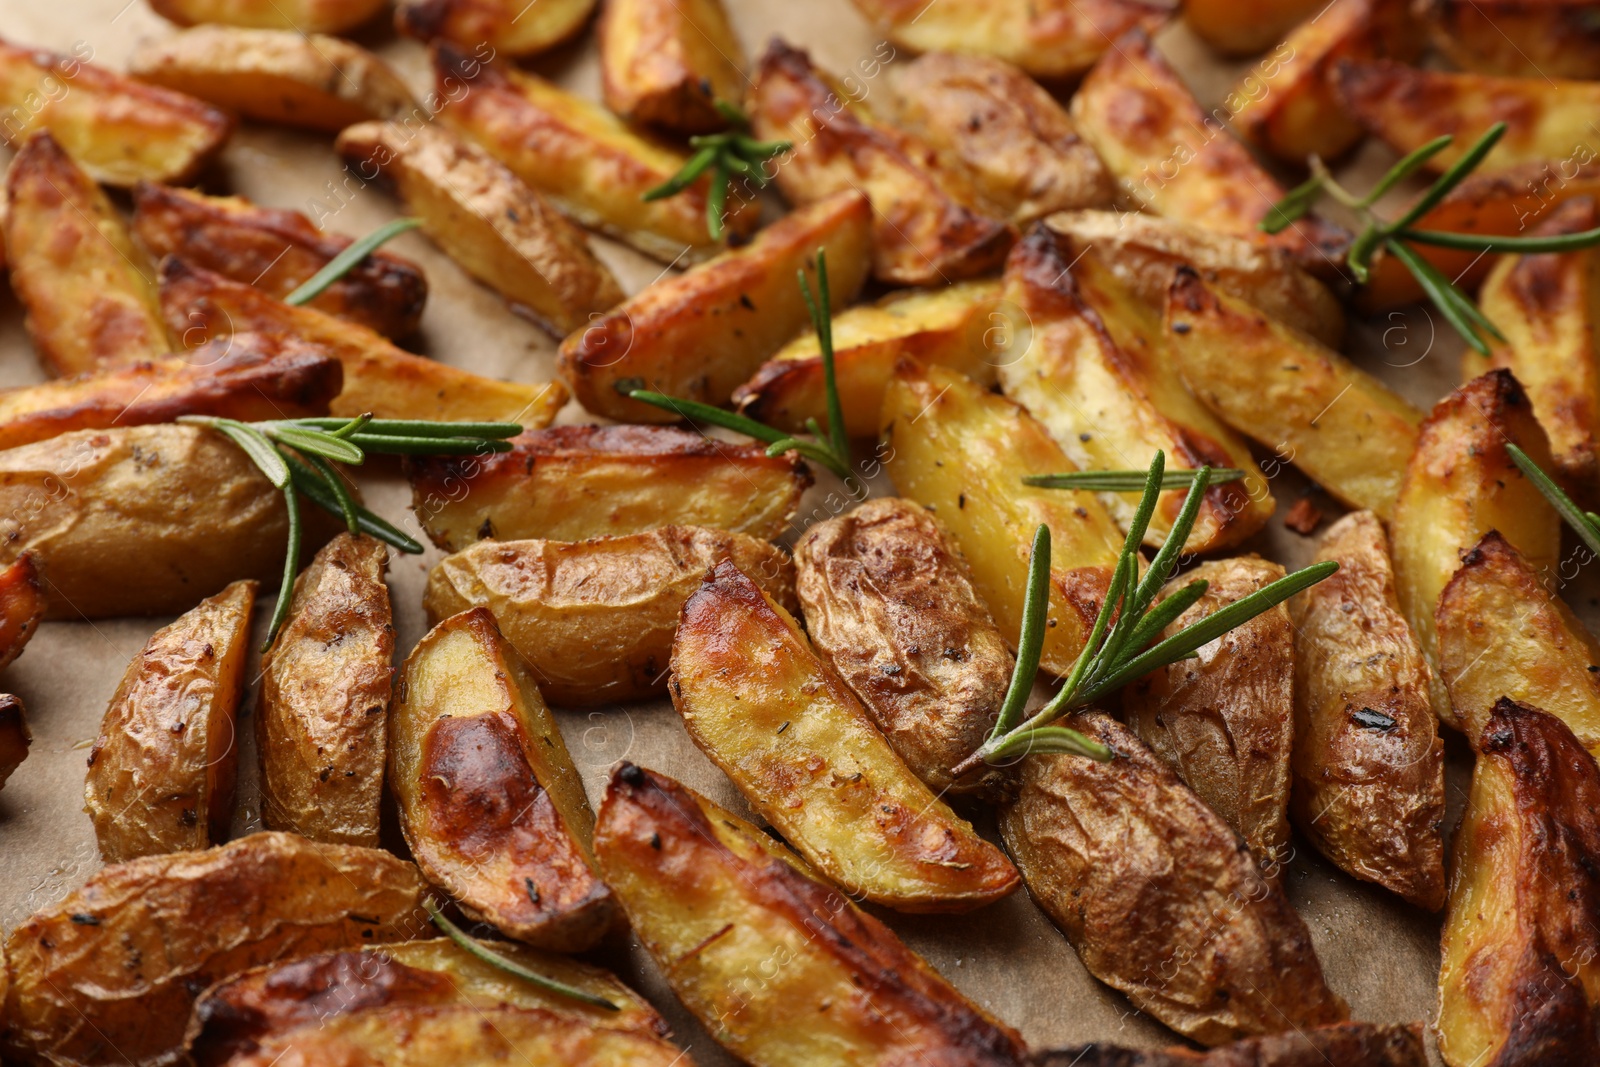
point(304, 16)
point(118, 987)
point(1518, 38)
point(320, 724)
point(697, 335)
point(14, 741)
point(573, 483)
point(504, 26)
point(1245, 27)
point(1336, 1045)
point(890, 606)
point(489, 800)
point(1160, 898)
point(21, 606)
point(1519, 944)
point(594, 619)
point(665, 63)
point(690, 874)
point(1369, 797)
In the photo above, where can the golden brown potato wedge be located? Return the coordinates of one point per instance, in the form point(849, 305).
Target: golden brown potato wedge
point(162, 772)
point(962, 452)
point(1368, 761)
point(21, 607)
point(1170, 157)
point(890, 607)
point(108, 975)
point(925, 226)
point(507, 27)
point(1337, 1045)
point(594, 619)
point(120, 131)
point(666, 63)
point(1520, 948)
point(500, 231)
point(1246, 27)
point(954, 326)
point(89, 293)
point(717, 904)
point(490, 802)
point(1160, 897)
point(1050, 39)
point(807, 755)
point(583, 159)
point(320, 725)
point(303, 16)
point(378, 377)
point(986, 117)
point(1282, 388)
point(572, 483)
point(278, 76)
point(14, 742)
point(1112, 405)
point(1519, 38)
point(697, 335)
point(1460, 484)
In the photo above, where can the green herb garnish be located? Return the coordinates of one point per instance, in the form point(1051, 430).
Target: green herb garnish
point(724, 154)
point(494, 959)
point(346, 261)
point(1586, 524)
point(1127, 481)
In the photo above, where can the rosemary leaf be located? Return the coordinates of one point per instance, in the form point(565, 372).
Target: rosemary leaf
point(336, 486)
point(1583, 523)
point(317, 443)
point(291, 564)
point(314, 489)
point(698, 164)
point(510, 966)
point(1125, 481)
point(1485, 242)
point(1045, 740)
point(414, 427)
point(1408, 165)
point(1030, 643)
point(1294, 204)
point(1450, 178)
point(1163, 614)
point(396, 445)
point(253, 442)
point(1445, 296)
point(346, 261)
point(691, 410)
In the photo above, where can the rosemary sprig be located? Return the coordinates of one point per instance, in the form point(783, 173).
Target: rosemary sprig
point(1116, 652)
point(1127, 481)
point(724, 154)
point(1586, 524)
point(297, 456)
point(346, 261)
point(478, 949)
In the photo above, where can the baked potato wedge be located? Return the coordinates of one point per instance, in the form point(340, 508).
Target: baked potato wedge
point(162, 771)
point(586, 161)
point(1345, 429)
point(506, 27)
point(21, 607)
point(1246, 28)
point(573, 483)
point(303, 16)
point(378, 377)
point(1170, 157)
point(594, 620)
point(666, 63)
point(986, 117)
point(283, 77)
point(1519, 948)
point(926, 229)
point(1518, 38)
point(1160, 897)
point(1460, 484)
point(14, 741)
point(961, 452)
point(1368, 762)
point(489, 800)
point(108, 975)
point(321, 723)
point(779, 967)
point(794, 739)
point(698, 334)
point(89, 293)
point(1335, 1045)
point(890, 607)
point(120, 131)
point(955, 326)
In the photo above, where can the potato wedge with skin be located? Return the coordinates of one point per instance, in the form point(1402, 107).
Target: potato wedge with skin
point(120, 131)
point(798, 744)
point(489, 800)
point(162, 772)
point(21, 607)
point(89, 293)
point(1170, 157)
point(665, 63)
point(890, 606)
point(303, 16)
point(1246, 27)
point(108, 975)
point(505, 27)
point(1289, 393)
point(1111, 403)
point(1460, 484)
point(378, 377)
point(986, 117)
point(320, 724)
point(573, 483)
point(697, 335)
point(954, 326)
point(926, 229)
point(1519, 970)
point(1160, 897)
point(587, 162)
point(482, 216)
point(1518, 38)
point(1055, 40)
point(962, 452)
point(594, 620)
point(711, 897)
point(279, 76)
point(14, 741)
point(1368, 762)
point(1338, 1045)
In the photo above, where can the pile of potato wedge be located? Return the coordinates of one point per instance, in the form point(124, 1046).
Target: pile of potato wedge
point(1043, 253)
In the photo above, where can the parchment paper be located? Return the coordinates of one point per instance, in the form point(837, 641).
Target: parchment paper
point(1379, 953)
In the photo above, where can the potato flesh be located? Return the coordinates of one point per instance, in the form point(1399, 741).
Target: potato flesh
point(1245, 27)
point(502, 26)
point(1518, 38)
point(665, 63)
point(21, 607)
point(304, 16)
point(14, 741)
